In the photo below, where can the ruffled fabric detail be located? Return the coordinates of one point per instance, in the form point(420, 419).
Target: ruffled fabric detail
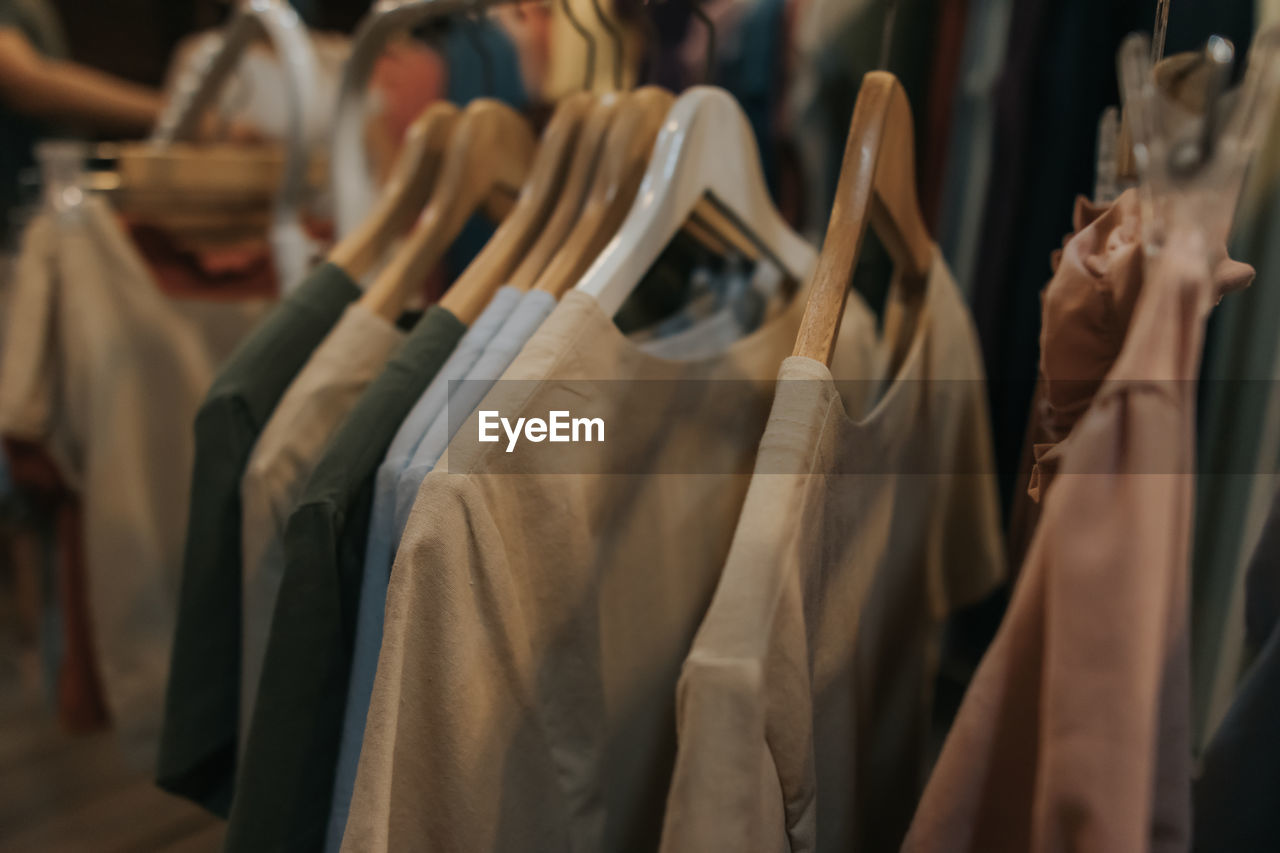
point(1086, 309)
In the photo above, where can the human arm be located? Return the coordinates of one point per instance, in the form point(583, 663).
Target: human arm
point(69, 93)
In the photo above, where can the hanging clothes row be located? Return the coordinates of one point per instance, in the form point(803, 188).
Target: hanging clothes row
point(539, 624)
point(326, 497)
point(571, 498)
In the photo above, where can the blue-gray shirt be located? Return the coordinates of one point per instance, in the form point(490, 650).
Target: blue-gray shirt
point(380, 548)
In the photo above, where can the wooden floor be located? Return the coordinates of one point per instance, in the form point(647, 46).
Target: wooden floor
point(60, 792)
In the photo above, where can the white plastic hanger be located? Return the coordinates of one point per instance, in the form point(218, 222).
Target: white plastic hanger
point(276, 21)
point(706, 149)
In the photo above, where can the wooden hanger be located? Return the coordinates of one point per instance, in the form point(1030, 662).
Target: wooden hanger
point(625, 156)
point(207, 169)
point(586, 157)
point(489, 154)
point(705, 154)
point(208, 194)
point(548, 181)
point(405, 193)
point(877, 186)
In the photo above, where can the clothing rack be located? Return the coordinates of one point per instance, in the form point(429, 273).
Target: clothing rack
point(354, 188)
point(349, 658)
point(258, 20)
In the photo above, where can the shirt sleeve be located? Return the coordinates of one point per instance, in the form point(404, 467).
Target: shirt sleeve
point(286, 776)
point(198, 738)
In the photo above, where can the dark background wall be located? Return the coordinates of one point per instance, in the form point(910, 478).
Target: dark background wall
point(135, 38)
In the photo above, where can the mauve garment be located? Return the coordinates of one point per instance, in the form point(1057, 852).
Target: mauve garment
point(536, 621)
point(1085, 312)
point(1075, 732)
point(1059, 75)
point(1087, 307)
point(803, 709)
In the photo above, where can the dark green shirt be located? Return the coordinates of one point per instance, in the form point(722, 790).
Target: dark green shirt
point(198, 741)
point(286, 781)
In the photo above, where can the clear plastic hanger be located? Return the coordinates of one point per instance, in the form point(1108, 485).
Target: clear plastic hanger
point(255, 20)
point(62, 174)
point(1191, 168)
point(1106, 177)
point(1114, 172)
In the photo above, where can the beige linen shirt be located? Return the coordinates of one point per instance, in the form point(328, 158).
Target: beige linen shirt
point(804, 706)
point(543, 600)
point(349, 358)
point(106, 372)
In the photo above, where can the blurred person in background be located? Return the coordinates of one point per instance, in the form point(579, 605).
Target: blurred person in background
point(42, 93)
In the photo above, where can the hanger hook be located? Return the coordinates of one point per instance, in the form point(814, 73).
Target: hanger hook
point(474, 32)
point(651, 41)
point(590, 75)
point(1159, 31)
point(886, 35)
point(615, 36)
point(709, 73)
